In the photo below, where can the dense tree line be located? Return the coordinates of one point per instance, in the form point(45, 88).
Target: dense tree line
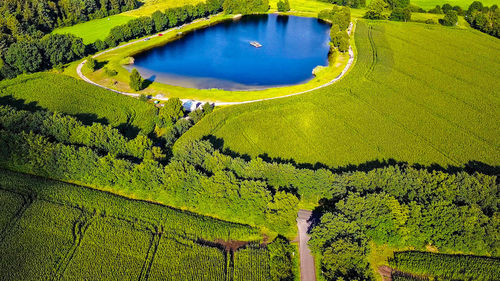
point(23, 17)
point(485, 19)
point(69, 130)
point(245, 6)
point(181, 183)
point(159, 21)
point(448, 267)
point(405, 207)
point(32, 55)
point(348, 3)
point(24, 45)
point(340, 17)
point(283, 6)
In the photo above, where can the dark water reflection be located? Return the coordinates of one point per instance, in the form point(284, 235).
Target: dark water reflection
point(221, 56)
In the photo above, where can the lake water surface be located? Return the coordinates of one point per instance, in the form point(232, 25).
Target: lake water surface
point(221, 56)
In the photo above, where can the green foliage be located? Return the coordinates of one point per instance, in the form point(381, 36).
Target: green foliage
point(450, 18)
point(484, 19)
point(398, 3)
point(245, 6)
point(283, 6)
point(69, 130)
point(171, 111)
point(136, 81)
point(345, 259)
point(160, 21)
point(375, 10)
point(59, 93)
point(110, 72)
point(24, 56)
point(340, 16)
point(449, 267)
point(349, 3)
point(399, 14)
point(436, 10)
point(280, 259)
point(91, 64)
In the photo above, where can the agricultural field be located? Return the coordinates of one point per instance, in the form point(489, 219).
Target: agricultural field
point(251, 264)
point(93, 30)
point(464, 4)
point(75, 233)
point(416, 94)
point(86, 102)
point(36, 245)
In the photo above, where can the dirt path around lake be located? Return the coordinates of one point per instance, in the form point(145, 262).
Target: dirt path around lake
point(195, 103)
point(307, 267)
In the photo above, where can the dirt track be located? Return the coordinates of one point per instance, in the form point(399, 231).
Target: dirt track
point(307, 268)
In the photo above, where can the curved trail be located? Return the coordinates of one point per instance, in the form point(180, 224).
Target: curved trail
point(307, 268)
point(195, 103)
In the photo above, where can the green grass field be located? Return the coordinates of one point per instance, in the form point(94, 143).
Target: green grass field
point(464, 4)
point(88, 103)
point(99, 29)
point(70, 232)
point(417, 93)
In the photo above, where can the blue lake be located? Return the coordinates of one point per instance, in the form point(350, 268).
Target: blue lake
point(221, 56)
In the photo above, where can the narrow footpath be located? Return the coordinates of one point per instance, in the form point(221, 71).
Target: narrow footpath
point(307, 268)
point(195, 103)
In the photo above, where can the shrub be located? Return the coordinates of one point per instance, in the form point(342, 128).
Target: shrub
point(399, 14)
point(110, 72)
point(91, 64)
point(136, 82)
point(283, 6)
point(450, 19)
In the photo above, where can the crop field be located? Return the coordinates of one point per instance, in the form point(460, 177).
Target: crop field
point(37, 242)
point(10, 204)
point(93, 30)
point(416, 94)
point(464, 4)
point(112, 248)
point(88, 103)
point(75, 233)
point(251, 264)
point(183, 259)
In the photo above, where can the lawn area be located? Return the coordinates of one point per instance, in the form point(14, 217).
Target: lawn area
point(416, 94)
point(88, 103)
point(99, 29)
point(464, 4)
point(95, 29)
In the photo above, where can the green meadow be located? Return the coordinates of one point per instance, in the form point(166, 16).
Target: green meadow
point(464, 4)
point(417, 93)
point(96, 29)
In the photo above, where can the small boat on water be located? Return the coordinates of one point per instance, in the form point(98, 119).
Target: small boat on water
point(255, 44)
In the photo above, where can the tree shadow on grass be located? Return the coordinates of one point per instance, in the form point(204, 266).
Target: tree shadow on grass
point(470, 167)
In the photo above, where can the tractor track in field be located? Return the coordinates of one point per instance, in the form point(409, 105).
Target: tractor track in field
point(374, 52)
point(27, 201)
point(348, 66)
